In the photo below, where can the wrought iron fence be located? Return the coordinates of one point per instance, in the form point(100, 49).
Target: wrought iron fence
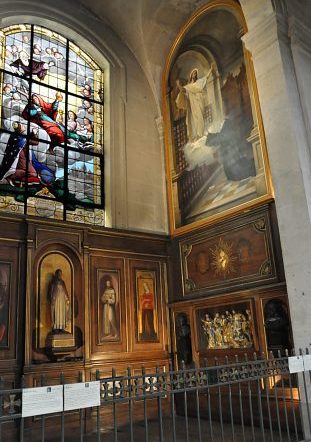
point(241, 400)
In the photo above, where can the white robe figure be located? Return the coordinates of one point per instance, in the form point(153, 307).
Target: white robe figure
point(196, 107)
point(59, 302)
point(108, 298)
point(194, 98)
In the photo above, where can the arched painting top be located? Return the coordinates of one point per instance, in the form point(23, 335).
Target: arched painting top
point(216, 156)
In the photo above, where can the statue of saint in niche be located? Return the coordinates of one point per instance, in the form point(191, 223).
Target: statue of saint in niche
point(60, 302)
point(183, 339)
point(277, 326)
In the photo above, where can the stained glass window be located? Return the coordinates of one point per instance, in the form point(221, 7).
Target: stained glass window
point(51, 129)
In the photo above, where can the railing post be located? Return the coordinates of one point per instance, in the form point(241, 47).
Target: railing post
point(1, 406)
point(98, 436)
point(304, 390)
point(62, 381)
point(22, 423)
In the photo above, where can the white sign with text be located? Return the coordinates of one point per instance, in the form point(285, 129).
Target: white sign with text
point(42, 400)
point(81, 395)
point(295, 364)
point(307, 362)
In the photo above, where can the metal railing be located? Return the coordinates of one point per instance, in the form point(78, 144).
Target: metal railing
point(241, 400)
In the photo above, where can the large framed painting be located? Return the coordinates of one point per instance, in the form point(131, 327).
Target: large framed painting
point(146, 305)
point(216, 156)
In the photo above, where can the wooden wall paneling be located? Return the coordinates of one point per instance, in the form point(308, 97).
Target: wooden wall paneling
point(11, 307)
point(39, 251)
point(276, 243)
point(148, 344)
point(255, 297)
point(130, 243)
point(130, 313)
point(87, 301)
point(28, 303)
point(73, 372)
point(188, 311)
point(107, 343)
point(260, 324)
point(229, 256)
point(280, 296)
point(166, 312)
point(241, 253)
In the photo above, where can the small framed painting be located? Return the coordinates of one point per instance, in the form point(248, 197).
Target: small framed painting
point(108, 305)
point(146, 305)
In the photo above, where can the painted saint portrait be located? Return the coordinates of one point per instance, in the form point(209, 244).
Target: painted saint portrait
point(108, 306)
point(216, 156)
point(146, 306)
point(5, 274)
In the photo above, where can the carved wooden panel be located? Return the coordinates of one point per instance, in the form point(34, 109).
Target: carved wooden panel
point(10, 285)
point(230, 256)
point(48, 261)
point(232, 324)
point(108, 307)
point(148, 305)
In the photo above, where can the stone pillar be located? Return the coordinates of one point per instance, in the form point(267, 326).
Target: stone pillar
point(285, 128)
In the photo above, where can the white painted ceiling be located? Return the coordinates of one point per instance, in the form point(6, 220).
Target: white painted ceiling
point(147, 27)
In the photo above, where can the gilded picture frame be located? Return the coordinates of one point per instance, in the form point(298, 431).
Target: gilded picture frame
point(147, 324)
point(216, 157)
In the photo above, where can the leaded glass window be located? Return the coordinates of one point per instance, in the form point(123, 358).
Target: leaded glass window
point(51, 131)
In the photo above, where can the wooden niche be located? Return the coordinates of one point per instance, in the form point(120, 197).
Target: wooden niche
point(57, 314)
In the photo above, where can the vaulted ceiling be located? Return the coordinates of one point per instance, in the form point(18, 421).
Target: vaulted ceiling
point(147, 27)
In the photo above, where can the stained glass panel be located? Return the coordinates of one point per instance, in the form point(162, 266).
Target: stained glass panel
point(51, 127)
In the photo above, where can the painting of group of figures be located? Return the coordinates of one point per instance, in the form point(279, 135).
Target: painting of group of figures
point(51, 140)
point(227, 328)
point(216, 154)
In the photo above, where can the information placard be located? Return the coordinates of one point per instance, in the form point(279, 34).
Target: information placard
point(81, 395)
point(307, 362)
point(42, 400)
point(295, 364)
